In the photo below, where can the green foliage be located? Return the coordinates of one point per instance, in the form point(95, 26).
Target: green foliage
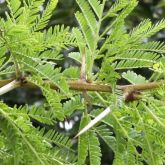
point(52, 97)
point(83, 142)
point(88, 144)
point(75, 103)
point(34, 52)
point(133, 78)
point(21, 135)
point(42, 21)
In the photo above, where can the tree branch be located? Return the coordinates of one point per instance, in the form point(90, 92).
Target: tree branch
point(8, 85)
point(142, 87)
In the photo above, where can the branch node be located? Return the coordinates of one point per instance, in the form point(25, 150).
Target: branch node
point(131, 96)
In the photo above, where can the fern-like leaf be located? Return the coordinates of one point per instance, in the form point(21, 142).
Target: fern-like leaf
point(74, 104)
point(88, 15)
point(94, 149)
point(51, 96)
point(59, 37)
point(145, 29)
point(119, 5)
point(154, 46)
point(79, 39)
point(141, 28)
point(13, 7)
point(96, 6)
point(37, 113)
point(89, 36)
point(57, 139)
point(107, 136)
point(72, 72)
point(136, 59)
point(7, 71)
point(33, 7)
point(42, 21)
point(83, 142)
point(155, 28)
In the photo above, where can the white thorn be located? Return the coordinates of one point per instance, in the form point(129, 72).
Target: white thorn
point(94, 121)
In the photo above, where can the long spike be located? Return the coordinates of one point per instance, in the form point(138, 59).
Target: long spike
point(94, 121)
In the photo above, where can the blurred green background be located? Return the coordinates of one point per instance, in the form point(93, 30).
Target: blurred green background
point(64, 14)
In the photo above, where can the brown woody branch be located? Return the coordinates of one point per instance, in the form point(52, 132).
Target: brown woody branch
point(130, 91)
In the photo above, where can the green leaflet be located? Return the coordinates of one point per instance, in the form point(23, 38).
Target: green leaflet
point(37, 113)
point(107, 136)
point(79, 39)
point(20, 35)
point(45, 71)
point(76, 56)
point(136, 59)
point(58, 139)
point(88, 142)
point(75, 103)
point(5, 71)
point(94, 149)
point(133, 78)
point(59, 37)
point(146, 29)
point(97, 7)
point(154, 46)
point(119, 4)
point(141, 28)
point(52, 97)
point(89, 36)
point(155, 28)
point(42, 21)
point(33, 11)
point(83, 141)
point(88, 14)
point(13, 7)
point(72, 72)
